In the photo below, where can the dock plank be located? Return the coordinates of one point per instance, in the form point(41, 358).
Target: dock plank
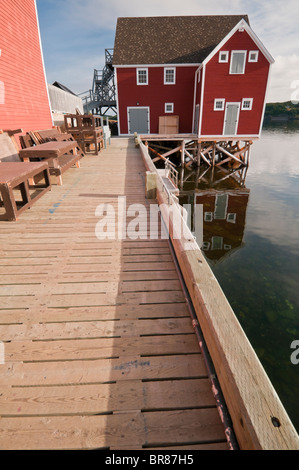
point(106, 398)
point(103, 370)
point(100, 350)
point(117, 430)
point(95, 348)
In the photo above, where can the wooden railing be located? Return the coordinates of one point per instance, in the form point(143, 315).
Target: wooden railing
point(172, 173)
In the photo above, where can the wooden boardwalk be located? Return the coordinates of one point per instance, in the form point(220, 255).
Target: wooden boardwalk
point(100, 352)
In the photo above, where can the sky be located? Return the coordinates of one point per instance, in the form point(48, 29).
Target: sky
point(75, 34)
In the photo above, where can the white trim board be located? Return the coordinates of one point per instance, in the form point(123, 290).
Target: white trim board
point(245, 26)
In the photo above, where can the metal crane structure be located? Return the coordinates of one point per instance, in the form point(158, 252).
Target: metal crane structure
point(102, 97)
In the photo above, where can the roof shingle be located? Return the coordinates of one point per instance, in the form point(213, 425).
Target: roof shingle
point(170, 39)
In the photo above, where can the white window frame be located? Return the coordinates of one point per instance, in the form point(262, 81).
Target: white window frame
point(256, 57)
point(208, 217)
point(218, 100)
point(173, 69)
point(231, 62)
point(137, 75)
point(231, 217)
point(172, 107)
point(225, 60)
point(243, 102)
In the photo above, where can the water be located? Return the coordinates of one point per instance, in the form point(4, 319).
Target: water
point(251, 243)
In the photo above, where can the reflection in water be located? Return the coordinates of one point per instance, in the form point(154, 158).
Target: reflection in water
point(224, 198)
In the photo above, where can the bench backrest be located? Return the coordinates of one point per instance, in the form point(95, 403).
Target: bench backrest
point(8, 151)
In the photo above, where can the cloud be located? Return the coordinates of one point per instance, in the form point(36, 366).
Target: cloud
point(276, 23)
point(283, 78)
point(75, 34)
point(104, 14)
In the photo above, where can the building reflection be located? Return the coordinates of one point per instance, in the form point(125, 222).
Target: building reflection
point(224, 198)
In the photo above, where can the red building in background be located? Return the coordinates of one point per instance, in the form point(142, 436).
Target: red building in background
point(24, 102)
point(211, 72)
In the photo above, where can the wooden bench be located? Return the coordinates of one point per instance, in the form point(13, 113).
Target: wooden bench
point(60, 156)
point(46, 135)
point(20, 184)
point(25, 178)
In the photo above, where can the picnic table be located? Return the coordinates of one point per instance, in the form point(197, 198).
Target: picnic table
point(60, 155)
point(31, 179)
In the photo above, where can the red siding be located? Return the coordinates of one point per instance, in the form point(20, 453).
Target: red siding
point(156, 94)
point(25, 103)
point(220, 84)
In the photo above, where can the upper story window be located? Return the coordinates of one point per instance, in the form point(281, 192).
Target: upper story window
point(253, 56)
point(142, 76)
point(169, 76)
point(237, 62)
point(223, 56)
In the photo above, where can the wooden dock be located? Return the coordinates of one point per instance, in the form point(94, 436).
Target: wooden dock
point(100, 350)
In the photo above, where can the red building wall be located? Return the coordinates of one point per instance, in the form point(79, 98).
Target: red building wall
point(23, 91)
point(156, 94)
point(220, 84)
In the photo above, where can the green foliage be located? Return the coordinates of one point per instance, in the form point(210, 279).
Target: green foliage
point(286, 109)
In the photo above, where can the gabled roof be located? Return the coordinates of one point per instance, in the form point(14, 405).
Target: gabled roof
point(170, 39)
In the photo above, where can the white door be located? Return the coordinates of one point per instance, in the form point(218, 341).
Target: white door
point(231, 118)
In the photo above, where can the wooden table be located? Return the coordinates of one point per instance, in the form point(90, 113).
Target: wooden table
point(60, 155)
point(18, 175)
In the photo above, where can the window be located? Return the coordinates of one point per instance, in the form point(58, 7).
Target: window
point(169, 76)
point(208, 216)
point(169, 107)
point(142, 76)
point(237, 62)
point(231, 217)
point(247, 104)
point(219, 104)
point(223, 56)
point(253, 56)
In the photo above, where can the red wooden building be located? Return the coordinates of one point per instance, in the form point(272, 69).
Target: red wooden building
point(211, 72)
point(24, 102)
